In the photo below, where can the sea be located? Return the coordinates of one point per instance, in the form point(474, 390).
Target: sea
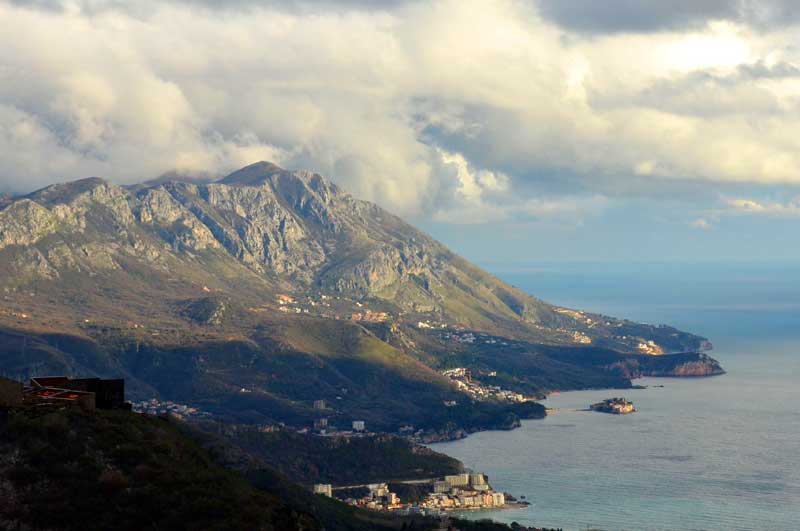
point(719, 453)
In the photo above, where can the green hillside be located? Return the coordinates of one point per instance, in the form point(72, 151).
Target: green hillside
point(69, 470)
point(336, 460)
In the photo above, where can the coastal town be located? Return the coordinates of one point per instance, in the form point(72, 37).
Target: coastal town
point(463, 379)
point(457, 492)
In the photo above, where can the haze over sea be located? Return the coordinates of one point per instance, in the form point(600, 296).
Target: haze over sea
point(719, 453)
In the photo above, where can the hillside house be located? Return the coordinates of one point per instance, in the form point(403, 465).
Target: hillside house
point(108, 394)
point(86, 393)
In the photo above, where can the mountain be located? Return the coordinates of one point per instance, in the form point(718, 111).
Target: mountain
point(257, 294)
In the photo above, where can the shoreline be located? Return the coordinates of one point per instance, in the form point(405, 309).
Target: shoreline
point(471, 510)
point(519, 463)
point(463, 433)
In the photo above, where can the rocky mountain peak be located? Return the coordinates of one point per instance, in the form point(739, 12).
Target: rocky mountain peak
point(174, 176)
point(255, 174)
point(296, 228)
point(296, 188)
point(68, 192)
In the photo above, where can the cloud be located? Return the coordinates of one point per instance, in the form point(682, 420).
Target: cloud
point(701, 223)
point(786, 209)
point(410, 104)
point(635, 15)
point(573, 211)
point(642, 16)
point(302, 4)
point(97, 6)
point(485, 196)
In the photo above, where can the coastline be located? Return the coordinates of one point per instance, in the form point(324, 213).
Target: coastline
point(462, 433)
point(472, 510)
point(678, 463)
point(569, 465)
point(495, 513)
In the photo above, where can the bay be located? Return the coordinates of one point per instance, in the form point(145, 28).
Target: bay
point(714, 454)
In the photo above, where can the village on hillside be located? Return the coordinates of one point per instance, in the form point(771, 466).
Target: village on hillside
point(463, 379)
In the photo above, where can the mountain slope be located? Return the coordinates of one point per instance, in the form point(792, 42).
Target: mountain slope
point(270, 229)
point(69, 470)
point(257, 294)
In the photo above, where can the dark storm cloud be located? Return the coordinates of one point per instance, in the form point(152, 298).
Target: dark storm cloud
point(644, 16)
point(611, 16)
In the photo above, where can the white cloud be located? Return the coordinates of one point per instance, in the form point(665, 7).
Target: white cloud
point(484, 196)
point(415, 106)
point(789, 208)
point(472, 184)
point(701, 223)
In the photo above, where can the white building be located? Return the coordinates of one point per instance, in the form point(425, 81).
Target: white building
point(498, 499)
point(358, 425)
point(457, 480)
point(326, 489)
point(392, 499)
point(477, 479)
point(377, 490)
point(440, 487)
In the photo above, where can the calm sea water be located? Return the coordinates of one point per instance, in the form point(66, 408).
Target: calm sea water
point(719, 453)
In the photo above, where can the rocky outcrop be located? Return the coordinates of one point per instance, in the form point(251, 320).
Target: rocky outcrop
point(25, 222)
point(675, 365)
point(206, 311)
point(703, 365)
point(88, 204)
point(158, 208)
point(381, 268)
point(32, 264)
point(260, 226)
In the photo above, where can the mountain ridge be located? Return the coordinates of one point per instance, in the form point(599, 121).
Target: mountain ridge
point(286, 268)
point(287, 227)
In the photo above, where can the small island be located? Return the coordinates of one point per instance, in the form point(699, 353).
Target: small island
point(615, 406)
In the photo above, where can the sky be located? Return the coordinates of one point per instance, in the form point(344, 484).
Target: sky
point(514, 131)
